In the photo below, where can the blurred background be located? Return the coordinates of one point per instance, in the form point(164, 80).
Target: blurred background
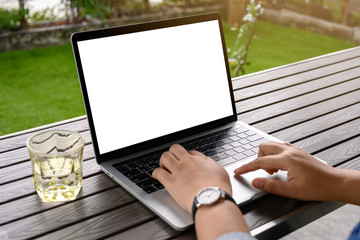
point(38, 80)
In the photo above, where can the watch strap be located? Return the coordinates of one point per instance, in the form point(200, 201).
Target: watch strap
point(194, 206)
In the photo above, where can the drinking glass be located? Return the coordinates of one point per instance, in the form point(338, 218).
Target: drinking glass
point(56, 158)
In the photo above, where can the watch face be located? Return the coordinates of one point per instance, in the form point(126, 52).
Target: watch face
point(209, 196)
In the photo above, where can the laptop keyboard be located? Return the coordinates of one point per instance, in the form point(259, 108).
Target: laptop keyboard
point(225, 147)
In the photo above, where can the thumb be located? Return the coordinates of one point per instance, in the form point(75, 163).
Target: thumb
point(270, 185)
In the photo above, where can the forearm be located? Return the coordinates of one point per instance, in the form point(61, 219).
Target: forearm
point(213, 221)
point(350, 187)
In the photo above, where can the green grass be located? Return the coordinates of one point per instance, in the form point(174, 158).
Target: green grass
point(40, 86)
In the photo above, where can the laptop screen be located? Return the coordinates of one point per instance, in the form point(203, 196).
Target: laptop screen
point(148, 84)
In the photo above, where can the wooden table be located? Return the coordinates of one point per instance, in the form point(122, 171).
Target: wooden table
point(315, 104)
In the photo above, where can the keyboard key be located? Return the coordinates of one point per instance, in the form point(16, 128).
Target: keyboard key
point(226, 161)
point(139, 177)
point(249, 153)
point(122, 168)
point(154, 158)
point(258, 142)
point(215, 158)
point(132, 165)
point(247, 146)
point(239, 149)
point(143, 161)
point(242, 135)
point(234, 138)
point(230, 152)
point(254, 137)
point(158, 186)
point(145, 183)
point(189, 147)
point(150, 189)
point(250, 133)
point(131, 173)
point(227, 147)
point(240, 129)
point(231, 132)
point(219, 143)
point(210, 153)
point(221, 155)
point(144, 168)
point(219, 149)
point(244, 141)
point(239, 156)
point(154, 165)
point(201, 149)
point(226, 140)
point(235, 144)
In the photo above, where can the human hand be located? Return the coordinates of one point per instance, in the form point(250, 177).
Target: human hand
point(185, 173)
point(307, 177)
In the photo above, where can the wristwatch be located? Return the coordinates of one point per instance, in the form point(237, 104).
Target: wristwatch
point(209, 196)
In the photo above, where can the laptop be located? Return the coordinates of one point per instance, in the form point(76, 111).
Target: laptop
point(147, 86)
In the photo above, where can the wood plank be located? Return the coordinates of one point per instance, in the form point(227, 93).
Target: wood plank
point(330, 137)
point(72, 212)
point(307, 113)
point(187, 236)
point(100, 226)
point(341, 152)
point(24, 169)
point(351, 164)
point(314, 87)
point(320, 124)
point(153, 230)
point(341, 71)
point(32, 204)
point(258, 114)
point(295, 68)
point(21, 154)
point(268, 208)
point(19, 141)
point(25, 186)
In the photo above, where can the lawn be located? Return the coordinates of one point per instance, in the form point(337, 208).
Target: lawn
point(40, 86)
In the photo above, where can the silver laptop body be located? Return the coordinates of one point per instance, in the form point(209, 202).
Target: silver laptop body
point(148, 86)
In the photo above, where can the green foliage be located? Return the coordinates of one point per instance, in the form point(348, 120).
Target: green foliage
point(46, 14)
point(335, 8)
point(100, 9)
point(245, 33)
point(11, 19)
point(173, 3)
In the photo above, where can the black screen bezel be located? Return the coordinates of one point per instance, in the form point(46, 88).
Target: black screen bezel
point(94, 34)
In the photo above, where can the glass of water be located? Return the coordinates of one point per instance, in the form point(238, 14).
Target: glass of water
point(56, 158)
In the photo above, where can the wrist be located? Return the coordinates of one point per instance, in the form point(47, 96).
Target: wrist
point(348, 186)
point(209, 196)
point(214, 220)
point(334, 182)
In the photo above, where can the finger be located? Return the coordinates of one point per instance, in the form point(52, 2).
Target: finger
point(163, 176)
point(270, 148)
point(268, 163)
point(178, 151)
point(168, 161)
point(196, 153)
point(273, 186)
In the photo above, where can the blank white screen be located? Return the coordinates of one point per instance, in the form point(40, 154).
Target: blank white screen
point(149, 84)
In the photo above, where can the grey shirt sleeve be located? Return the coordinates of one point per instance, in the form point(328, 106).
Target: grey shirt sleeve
point(236, 236)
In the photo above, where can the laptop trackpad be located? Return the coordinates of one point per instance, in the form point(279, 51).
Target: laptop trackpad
point(242, 190)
